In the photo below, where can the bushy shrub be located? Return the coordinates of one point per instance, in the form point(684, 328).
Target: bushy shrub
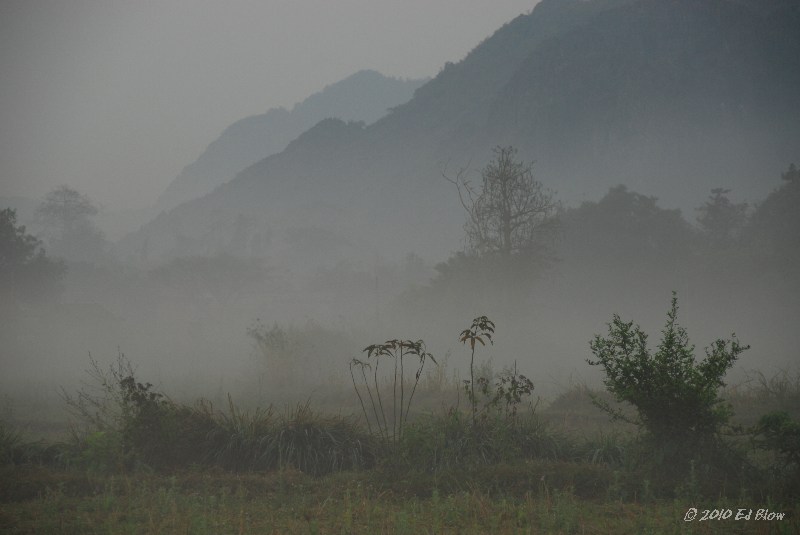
point(132, 425)
point(777, 432)
point(10, 445)
point(434, 443)
point(676, 397)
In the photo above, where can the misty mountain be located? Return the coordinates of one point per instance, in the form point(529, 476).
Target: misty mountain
point(669, 98)
point(364, 96)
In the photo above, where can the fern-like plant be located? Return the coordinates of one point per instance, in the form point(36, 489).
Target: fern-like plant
point(390, 425)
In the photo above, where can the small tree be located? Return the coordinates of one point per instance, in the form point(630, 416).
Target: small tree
point(482, 329)
point(66, 215)
point(511, 213)
point(720, 219)
point(26, 273)
point(510, 387)
point(792, 175)
point(65, 208)
point(774, 227)
point(675, 396)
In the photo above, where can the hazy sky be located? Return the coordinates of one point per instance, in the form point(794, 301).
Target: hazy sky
point(114, 97)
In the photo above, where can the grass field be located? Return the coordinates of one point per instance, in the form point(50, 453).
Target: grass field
point(561, 468)
point(288, 501)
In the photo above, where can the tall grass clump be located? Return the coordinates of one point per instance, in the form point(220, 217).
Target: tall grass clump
point(135, 426)
point(445, 441)
point(11, 445)
point(301, 438)
point(317, 444)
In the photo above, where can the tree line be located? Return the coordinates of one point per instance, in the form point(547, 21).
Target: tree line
point(515, 227)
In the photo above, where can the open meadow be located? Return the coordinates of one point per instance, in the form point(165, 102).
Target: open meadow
point(136, 461)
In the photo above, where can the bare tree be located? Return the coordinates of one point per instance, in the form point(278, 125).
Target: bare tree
point(512, 213)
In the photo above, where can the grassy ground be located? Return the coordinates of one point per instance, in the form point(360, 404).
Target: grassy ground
point(574, 474)
point(291, 502)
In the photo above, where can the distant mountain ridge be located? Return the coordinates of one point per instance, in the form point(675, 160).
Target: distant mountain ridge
point(365, 96)
point(672, 98)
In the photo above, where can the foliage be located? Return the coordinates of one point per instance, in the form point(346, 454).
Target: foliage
point(464, 279)
point(65, 206)
point(66, 214)
point(436, 443)
point(10, 444)
point(123, 419)
point(778, 432)
point(102, 404)
point(18, 247)
point(317, 444)
point(675, 396)
point(481, 330)
point(510, 389)
point(504, 452)
point(774, 228)
point(627, 229)
point(16, 451)
point(129, 425)
point(26, 273)
point(720, 219)
point(390, 426)
point(102, 452)
point(301, 439)
point(511, 213)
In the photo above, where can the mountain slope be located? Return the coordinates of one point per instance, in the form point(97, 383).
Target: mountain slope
point(683, 93)
point(674, 98)
point(364, 96)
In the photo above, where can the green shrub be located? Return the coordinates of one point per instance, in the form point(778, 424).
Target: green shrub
point(102, 451)
point(676, 397)
point(777, 432)
point(129, 424)
point(11, 446)
point(440, 442)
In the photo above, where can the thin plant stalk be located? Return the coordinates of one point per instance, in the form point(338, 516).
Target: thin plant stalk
point(394, 396)
point(380, 401)
point(472, 384)
point(402, 388)
point(414, 389)
point(372, 401)
point(360, 399)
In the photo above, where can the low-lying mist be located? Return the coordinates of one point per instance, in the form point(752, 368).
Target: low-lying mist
point(268, 331)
